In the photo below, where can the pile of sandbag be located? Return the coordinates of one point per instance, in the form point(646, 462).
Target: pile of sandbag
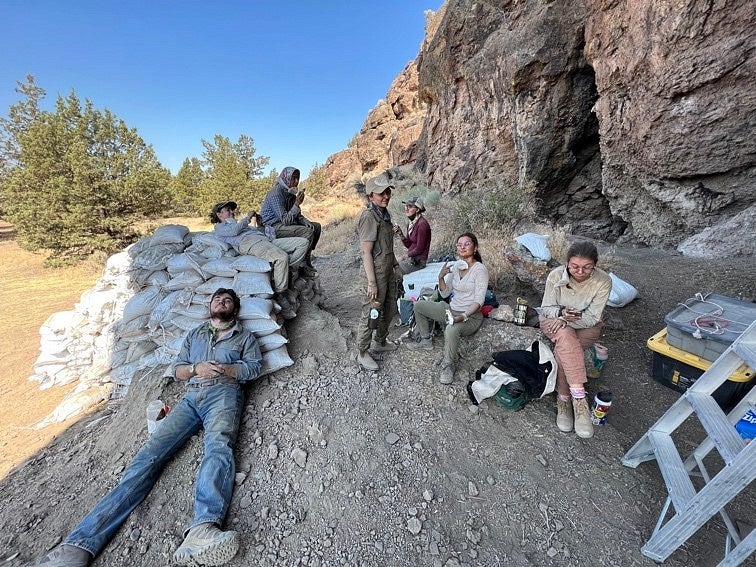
point(134, 320)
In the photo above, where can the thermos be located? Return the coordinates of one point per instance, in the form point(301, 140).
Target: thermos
point(601, 404)
point(521, 312)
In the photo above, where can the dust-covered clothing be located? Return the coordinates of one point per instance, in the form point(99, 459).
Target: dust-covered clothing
point(215, 405)
point(281, 253)
point(376, 227)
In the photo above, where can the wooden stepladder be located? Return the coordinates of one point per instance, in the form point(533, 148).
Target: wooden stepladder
point(692, 508)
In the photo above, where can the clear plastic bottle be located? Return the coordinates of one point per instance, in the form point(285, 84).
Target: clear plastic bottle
point(156, 411)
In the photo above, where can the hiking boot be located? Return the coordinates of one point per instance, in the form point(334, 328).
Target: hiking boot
point(308, 271)
point(366, 361)
point(388, 346)
point(206, 544)
point(63, 556)
point(447, 373)
point(422, 344)
point(564, 415)
point(583, 424)
point(287, 309)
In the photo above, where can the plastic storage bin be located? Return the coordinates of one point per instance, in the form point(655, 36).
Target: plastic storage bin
point(679, 370)
point(717, 331)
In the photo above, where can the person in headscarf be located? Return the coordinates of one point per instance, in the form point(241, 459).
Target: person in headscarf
point(418, 238)
point(281, 211)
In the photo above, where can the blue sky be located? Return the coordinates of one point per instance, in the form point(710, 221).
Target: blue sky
point(299, 77)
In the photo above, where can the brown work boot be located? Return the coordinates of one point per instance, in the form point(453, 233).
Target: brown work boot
point(421, 344)
point(447, 373)
point(206, 544)
point(583, 424)
point(387, 346)
point(366, 361)
point(564, 419)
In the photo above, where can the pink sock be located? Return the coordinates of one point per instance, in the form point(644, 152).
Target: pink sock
point(577, 393)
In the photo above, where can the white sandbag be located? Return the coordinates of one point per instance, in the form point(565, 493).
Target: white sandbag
point(261, 327)
point(255, 308)
point(155, 257)
point(212, 285)
point(183, 262)
point(622, 292)
point(142, 277)
point(251, 283)
point(536, 244)
point(119, 263)
point(275, 360)
point(61, 321)
point(142, 303)
point(139, 246)
point(185, 323)
point(192, 310)
point(220, 267)
point(136, 328)
point(47, 357)
point(124, 374)
point(207, 245)
point(187, 279)
point(247, 263)
point(97, 306)
point(157, 277)
point(169, 234)
point(271, 342)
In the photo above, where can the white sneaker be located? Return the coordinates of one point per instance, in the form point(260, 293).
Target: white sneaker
point(206, 544)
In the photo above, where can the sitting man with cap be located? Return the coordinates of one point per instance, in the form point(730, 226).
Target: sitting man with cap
point(418, 238)
point(282, 253)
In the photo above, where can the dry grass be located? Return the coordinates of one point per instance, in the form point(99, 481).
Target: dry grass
point(337, 236)
point(30, 293)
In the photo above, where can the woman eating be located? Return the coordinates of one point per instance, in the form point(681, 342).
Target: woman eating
point(466, 282)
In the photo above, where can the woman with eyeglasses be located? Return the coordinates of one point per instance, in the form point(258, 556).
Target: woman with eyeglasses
point(418, 238)
point(570, 317)
point(466, 281)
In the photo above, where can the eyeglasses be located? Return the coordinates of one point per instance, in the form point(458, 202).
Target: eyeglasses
point(464, 244)
point(410, 207)
point(581, 269)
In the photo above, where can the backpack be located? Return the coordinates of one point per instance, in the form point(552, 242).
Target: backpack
point(515, 376)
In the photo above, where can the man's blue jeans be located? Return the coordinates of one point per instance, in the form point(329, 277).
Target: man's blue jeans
point(218, 409)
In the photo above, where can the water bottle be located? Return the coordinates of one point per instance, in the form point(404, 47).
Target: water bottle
point(156, 411)
point(601, 404)
point(373, 321)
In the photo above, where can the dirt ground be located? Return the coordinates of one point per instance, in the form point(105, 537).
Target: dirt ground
point(399, 469)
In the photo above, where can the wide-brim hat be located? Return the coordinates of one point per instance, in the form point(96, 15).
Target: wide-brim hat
point(377, 184)
point(416, 202)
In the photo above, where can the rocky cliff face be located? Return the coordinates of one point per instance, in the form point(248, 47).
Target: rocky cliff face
point(626, 120)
